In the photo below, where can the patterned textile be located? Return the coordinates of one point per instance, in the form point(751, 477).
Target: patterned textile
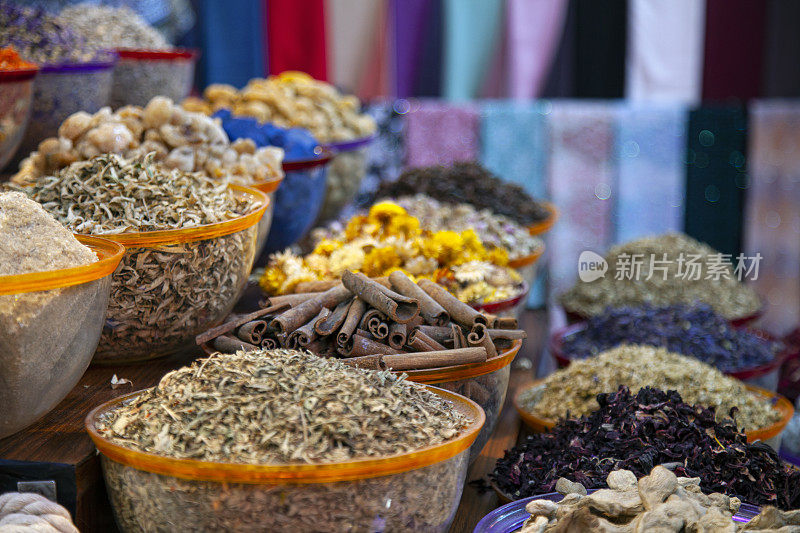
point(439, 133)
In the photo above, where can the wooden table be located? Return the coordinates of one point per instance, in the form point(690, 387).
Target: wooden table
point(58, 447)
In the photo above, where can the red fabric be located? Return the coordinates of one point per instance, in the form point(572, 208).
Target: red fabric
point(296, 37)
point(734, 49)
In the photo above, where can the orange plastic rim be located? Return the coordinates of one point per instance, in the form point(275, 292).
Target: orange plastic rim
point(547, 224)
point(267, 186)
point(527, 259)
point(109, 254)
point(140, 239)
point(432, 376)
point(779, 403)
point(192, 469)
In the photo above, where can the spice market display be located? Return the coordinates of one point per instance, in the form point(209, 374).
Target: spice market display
point(380, 367)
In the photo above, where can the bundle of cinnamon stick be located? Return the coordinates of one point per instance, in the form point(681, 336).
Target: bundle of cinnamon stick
point(373, 323)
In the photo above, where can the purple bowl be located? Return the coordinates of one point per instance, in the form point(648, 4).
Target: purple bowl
point(510, 517)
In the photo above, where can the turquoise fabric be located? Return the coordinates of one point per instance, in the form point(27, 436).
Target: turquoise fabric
point(472, 33)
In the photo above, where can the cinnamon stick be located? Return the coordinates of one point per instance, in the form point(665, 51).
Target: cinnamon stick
point(370, 362)
point(509, 334)
point(300, 315)
point(506, 322)
point(292, 300)
point(429, 309)
point(440, 334)
point(360, 345)
point(351, 321)
point(418, 335)
point(324, 285)
point(302, 336)
point(269, 343)
point(442, 358)
point(253, 331)
point(227, 344)
point(459, 340)
point(459, 312)
point(334, 320)
point(233, 324)
point(398, 333)
point(479, 337)
point(369, 315)
point(395, 306)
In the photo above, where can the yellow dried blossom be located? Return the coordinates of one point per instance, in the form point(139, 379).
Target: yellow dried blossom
point(379, 261)
point(346, 258)
point(272, 280)
point(326, 247)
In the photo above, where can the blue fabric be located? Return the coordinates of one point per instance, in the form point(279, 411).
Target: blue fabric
point(233, 41)
point(651, 189)
point(298, 143)
point(514, 146)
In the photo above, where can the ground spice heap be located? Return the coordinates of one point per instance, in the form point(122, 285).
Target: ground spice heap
point(638, 432)
point(573, 390)
point(11, 60)
point(692, 330)
point(711, 280)
point(112, 27)
point(110, 194)
point(660, 501)
point(282, 406)
point(31, 240)
point(468, 183)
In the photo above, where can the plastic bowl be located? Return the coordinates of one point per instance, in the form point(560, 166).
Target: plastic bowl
point(140, 75)
point(348, 168)
point(16, 95)
point(765, 376)
point(61, 90)
point(540, 228)
point(770, 435)
point(52, 322)
point(484, 383)
point(416, 491)
point(298, 200)
point(511, 307)
point(268, 187)
point(175, 284)
point(510, 517)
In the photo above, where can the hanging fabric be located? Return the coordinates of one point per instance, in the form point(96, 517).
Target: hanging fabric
point(350, 28)
point(472, 31)
point(534, 31)
point(665, 50)
point(650, 151)
point(782, 50)
point(376, 79)
point(410, 18)
point(440, 133)
point(227, 59)
point(296, 37)
point(560, 79)
point(734, 49)
point(429, 71)
point(772, 217)
point(716, 176)
point(600, 48)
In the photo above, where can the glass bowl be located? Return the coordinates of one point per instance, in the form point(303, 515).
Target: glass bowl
point(61, 90)
point(16, 95)
point(348, 169)
point(510, 517)
point(765, 376)
point(484, 383)
point(140, 75)
point(770, 435)
point(175, 284)
point(298, 200)
point(540, 228)
point(268, 187)
point(415, 491)
point(51, 324)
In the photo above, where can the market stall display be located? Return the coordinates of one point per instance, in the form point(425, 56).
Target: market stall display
point(295, 100)
point(669, 269)
point(388, 239)
point(403, 460)
point(16, 95)
point(634, 431)
point(692, 330)
point(190, 239)
point(54, 291)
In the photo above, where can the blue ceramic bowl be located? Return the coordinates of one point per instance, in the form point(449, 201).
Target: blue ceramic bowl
point(509, 518)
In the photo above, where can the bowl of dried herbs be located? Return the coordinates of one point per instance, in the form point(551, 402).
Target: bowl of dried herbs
point(54, 291)
point(281, 440)
point(190, 244)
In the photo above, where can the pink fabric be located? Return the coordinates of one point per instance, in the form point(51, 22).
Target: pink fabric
point(439, 133)
point(772, 217)
point(534, 30)
point(376, 78)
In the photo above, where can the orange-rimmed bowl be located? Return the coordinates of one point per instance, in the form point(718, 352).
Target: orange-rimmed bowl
point(540, 228)
point(415, 491)
point(16, 97)
point(51, 324)
point(770, 435)
point(484, 383)
point(174, 284)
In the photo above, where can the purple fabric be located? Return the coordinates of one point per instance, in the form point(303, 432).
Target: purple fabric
point(439, 133)
point(410, 23)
